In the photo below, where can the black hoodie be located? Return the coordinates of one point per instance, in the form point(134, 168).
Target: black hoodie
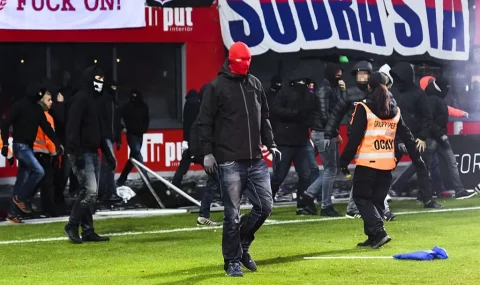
point(135, 114)
point(412, 100)
point(438, 107)
point(83, 130)
point(190, 112)
point(359, 126)
point(233, 120)
point(109, 112)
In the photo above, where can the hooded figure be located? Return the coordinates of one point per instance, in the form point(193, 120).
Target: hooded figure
point(190, 113)
point(275, 86)
point(437, 90)
point(385, 70)
point(135, 114)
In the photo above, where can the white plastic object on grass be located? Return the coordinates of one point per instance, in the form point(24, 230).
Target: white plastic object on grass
point(126, 193)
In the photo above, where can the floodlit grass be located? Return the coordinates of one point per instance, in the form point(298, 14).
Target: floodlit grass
point(195, 257)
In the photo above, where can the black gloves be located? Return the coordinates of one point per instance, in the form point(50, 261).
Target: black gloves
point(5, 151)
point(11, 161)
point(346, 172)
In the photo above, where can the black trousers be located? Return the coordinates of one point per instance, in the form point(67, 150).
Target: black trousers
point(46, 185)
point(182, 168)
point(370, 188)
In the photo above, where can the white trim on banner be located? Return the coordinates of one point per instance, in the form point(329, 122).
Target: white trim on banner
point(71, 15)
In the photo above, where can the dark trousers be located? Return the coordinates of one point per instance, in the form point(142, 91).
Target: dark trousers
point(213, 184)
point(300, 158)
point(182, 168)
point(437, 180)
point(135, 146)
point(82, 211)
point(46, 185)
point(237, 177)
point(106, 185)
point(370, 188)
point(62, 173)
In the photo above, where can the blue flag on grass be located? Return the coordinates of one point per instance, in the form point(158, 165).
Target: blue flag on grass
point(435, 253)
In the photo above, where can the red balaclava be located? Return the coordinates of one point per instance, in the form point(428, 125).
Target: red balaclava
point(239, 58)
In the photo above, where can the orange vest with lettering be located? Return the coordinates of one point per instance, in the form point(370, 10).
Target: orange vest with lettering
point(377, 149)
point(42, 143)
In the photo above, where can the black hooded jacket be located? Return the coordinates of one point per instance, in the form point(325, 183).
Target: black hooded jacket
point(327, 98)
point(359, 126)
point(135, 114)
point(190, 112)
point(233, 120)
point(83, 128)
point(110, 117)
point(412, 101)
point(439, 110)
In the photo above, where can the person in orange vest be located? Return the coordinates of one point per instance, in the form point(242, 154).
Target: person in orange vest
point(44, 150)
point(372, 144)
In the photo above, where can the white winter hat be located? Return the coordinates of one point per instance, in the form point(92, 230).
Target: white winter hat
point(385, 69)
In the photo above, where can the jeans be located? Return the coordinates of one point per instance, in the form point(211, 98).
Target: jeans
point(370, 187)
point(437, 180)
point(107, 176)
point(236, 177)
point(135, 145)
point(445, 151)
point(312, 159)
point(207, 198)
point(330, 158)
point(30, 172)
point(82, 211)
point(300, 157)
point(182, 168)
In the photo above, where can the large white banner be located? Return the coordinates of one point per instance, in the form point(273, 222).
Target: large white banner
point(71, 14)
point(439, 28)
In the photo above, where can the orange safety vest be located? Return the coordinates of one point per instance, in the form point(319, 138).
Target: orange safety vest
point(10, 152)
point(42, 143)
point(377, 149)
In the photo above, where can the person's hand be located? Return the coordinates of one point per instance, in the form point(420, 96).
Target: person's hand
point(210, 164)
point(5, 151)
point(402, 148)
point(60, 150)
point(346, 172)
point(184, 146)
point(124, 130)
point(342, 85)
point(443, 140)
point(276, 153)
point(339, 139)
point(119, 145)
point(60, 98)
point(465, 114)
point(11, 161)
point(326, 144)
point(420, 145)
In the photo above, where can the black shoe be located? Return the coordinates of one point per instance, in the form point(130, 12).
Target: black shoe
point(367, 243)
point(304, 212)
point(94, 237)
point(233, 269)
point(248, 262)
point(380, 240)
point(309, 204)
point(114, 198)
point(72, 234)
point(432, 204)
point(329, 212)
point(389, 216)
point(465, 194)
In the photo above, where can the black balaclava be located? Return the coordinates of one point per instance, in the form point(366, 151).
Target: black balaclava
point(276, 83)
point(136, 97)
point(362, 66)
point(330, 73)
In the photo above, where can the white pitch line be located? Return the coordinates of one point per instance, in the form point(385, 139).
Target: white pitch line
point(348, 257)
point(219, 227)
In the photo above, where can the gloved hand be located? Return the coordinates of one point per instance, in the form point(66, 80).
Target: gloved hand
point(443, 140)
point(79, 160)
point(5, 151)
point(402, 148)
point(346, 172)
point(465, 114)
point(119, 145)
point(210, 164)
point(276, 153)
point(184, 146)
point(59, 149)
point(11, 161)
point(420, 145)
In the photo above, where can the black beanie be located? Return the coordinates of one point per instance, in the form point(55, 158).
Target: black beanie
point(376, 79)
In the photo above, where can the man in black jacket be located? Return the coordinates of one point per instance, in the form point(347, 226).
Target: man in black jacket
point(135, 115)
point(233, 124)
point(326, 100)
point(437, 90)
point(111, 130)
point(25, 117)
point(84, 139)
point(416, 114)
point(275, 86)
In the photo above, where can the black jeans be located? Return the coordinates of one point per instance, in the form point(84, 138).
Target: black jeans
point(82, 211)
point(213, 184)
point(49, 205)
point(236, 177)
point(135, 145)
point(370, 188)
point(300, 158)
point(182, 168)
point(62, 173)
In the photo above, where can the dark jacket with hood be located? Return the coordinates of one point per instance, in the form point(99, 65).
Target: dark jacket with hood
point(293, 109)
point(58, 113)
point(345, 104)
point(359, 126)
point(110, 117)
point(136, 116)
point(25, 116)
point(190, 112)
point(271, 94)
point(84, 132)
point(233, 120)
point(327, 98)
point(412, 101)
point(438, 107)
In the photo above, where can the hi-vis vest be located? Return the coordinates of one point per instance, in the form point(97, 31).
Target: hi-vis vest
point(10, 153)
point(42, 143)
point(377, 149)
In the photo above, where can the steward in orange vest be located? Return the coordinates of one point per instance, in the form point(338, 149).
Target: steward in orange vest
point(43, 144)
point(374, 126)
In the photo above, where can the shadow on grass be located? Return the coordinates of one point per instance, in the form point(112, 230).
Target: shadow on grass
point(199, 274)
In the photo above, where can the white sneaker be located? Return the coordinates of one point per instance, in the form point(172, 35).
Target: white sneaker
point(389, 198)
point(201, 221)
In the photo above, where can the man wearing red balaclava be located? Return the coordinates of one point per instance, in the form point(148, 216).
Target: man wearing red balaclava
point(233, 125)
